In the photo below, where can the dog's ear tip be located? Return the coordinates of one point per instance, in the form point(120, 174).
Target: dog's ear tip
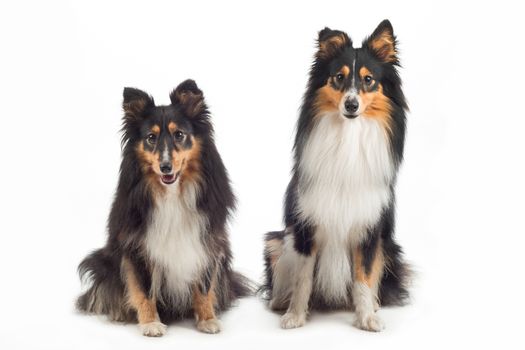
point(127, 91)
point(188, 85)
point(383, 42)
point(132, 94)
point(384, 26)
point(189, 82)
point(188, 95)
point(323, 33)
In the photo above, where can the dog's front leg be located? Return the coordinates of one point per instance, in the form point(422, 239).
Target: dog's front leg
point(146, 308)
point(204, 301)
point(301, 279)
point(368, 265)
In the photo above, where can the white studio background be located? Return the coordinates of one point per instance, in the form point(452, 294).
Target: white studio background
point(63, 66)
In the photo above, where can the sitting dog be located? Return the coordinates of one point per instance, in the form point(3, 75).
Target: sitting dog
point(167, 255)
point(338, 249)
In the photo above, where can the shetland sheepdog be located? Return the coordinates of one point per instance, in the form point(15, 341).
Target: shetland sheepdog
point(167, 255)
point(338, 249)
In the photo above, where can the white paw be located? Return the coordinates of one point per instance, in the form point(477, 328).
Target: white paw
point(153, 329)
point(369, 322)
point(293, 320)
point(211, 326)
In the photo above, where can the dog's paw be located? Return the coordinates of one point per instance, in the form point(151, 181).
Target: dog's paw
point(210, 326)
point(369, 322)
point(153, 329)
point(293, 320)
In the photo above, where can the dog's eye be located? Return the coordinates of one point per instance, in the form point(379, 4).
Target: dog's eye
point(179, 135)
point(368, 80)
point(340, 77)
point(152, 139)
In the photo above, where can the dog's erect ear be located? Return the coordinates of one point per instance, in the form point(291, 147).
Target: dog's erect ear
point(189, 97)
point(135, 102)
point(383, 42)
point(331, 42)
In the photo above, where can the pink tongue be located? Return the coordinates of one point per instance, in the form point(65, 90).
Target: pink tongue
point(167, 178)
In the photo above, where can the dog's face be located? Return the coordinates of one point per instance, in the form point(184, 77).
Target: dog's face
point(167, 144)
point(164, 137)
point(353, 78)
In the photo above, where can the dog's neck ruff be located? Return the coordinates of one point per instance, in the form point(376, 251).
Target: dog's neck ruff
point(346, 169)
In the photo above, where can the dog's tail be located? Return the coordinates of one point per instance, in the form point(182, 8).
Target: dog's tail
point(396, 276)
point(101, 272)
point(273, 248)
point(240, 285)
point(232, 285)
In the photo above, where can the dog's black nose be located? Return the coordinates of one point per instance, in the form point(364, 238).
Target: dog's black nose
point(165, 168)
point(351, 105)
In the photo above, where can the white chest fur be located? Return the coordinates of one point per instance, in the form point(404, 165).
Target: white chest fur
point(346, 169)
point(174, 244)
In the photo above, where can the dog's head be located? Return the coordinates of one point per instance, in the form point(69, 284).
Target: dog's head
point(166, 139)
point(352, 81)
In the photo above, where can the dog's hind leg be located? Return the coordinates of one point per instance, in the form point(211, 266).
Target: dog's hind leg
point(137, 299)
point(298, 260)
point(368, 265)
point(276, 281)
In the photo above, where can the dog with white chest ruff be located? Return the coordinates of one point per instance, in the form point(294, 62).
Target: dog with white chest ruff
point(338, 249)
point(168, 254)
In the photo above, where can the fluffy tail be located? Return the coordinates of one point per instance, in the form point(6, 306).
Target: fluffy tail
point(232, 286)
point(101, 271)
point(240, 285)
point(394, 285)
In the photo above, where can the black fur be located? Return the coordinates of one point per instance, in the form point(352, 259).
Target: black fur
point(133, 205)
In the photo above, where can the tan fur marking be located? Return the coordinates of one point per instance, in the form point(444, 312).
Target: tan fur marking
point(377, 105)
point(383, 44)
point(135, 107)
point(363, 72)
point(156, 129)
point(378, 266)
point(373, 278)
point(193, 103)
point(329, 46)
point(328, 99)
point(172, 127)
point(189, 162)
point(150, 161)
point(345, 70)
point(203, 305)
point(136, 298)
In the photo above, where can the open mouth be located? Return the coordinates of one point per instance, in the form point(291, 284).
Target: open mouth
point(169, 179)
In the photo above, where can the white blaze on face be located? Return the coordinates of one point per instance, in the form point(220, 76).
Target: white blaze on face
point(165, 154)
point(351, 94)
